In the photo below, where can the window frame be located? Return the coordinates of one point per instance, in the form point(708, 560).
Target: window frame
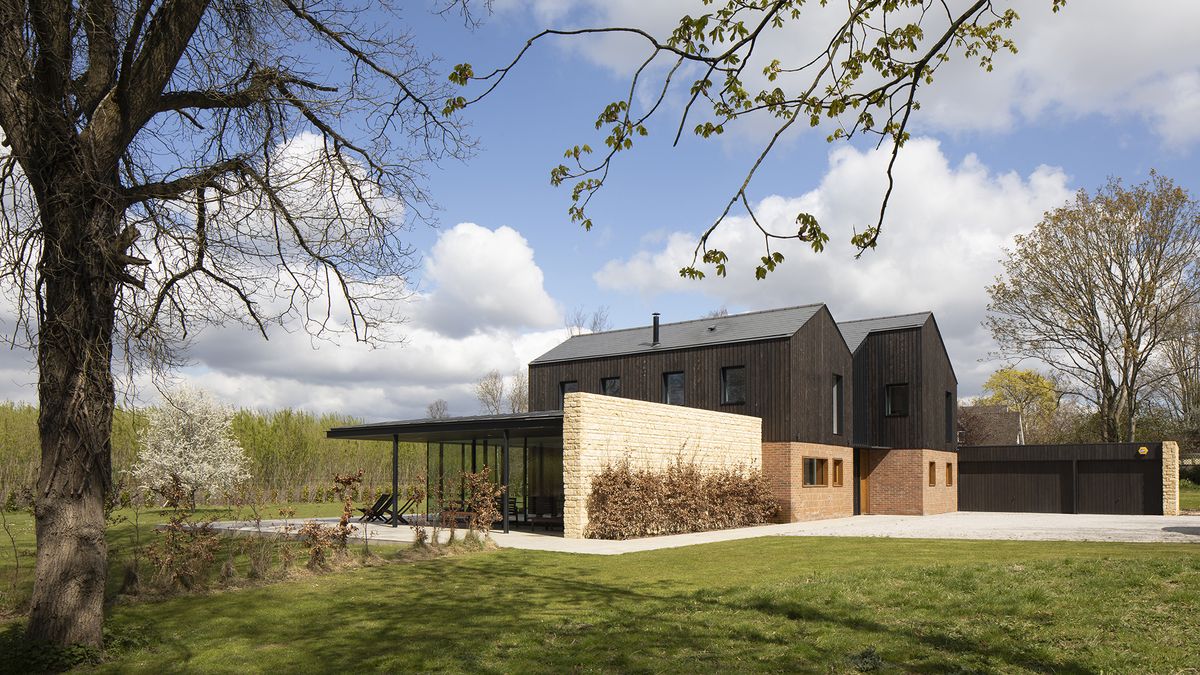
point(604, 385)
point(839, 405)
point(951, 406)
point(889, 405)
point(725, 400)
point(823, 463)
point(949, 474)
point(837, 475)
point(933, 474)
point(562, 391)
point(666, 389)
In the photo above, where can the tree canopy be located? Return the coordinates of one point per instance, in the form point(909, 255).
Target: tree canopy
point(857, 76)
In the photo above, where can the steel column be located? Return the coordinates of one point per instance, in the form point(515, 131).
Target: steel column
point(395, 480)
point(504, 473)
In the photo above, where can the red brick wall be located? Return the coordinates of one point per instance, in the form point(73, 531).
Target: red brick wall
point(783, 468)
point(941, 498)
point(899, 482)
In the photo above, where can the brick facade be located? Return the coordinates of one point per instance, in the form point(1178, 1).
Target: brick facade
point(783, 467)
point(602, 430)
point(898, 481)
point(1170, 478)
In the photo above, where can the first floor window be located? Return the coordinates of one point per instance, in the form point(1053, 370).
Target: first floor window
point(733, 385)
point(611, 386)
point(932, 474)
point(837, 473)
point(950, 406)
point(837, 403)
point(565, 388)
point(816, 471)
point(895, 400)
point(673, 389)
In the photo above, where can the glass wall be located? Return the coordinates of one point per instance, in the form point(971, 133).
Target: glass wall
point(535, 475)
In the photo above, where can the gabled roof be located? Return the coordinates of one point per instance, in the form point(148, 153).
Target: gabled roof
point(764, 325)
point(854, 332)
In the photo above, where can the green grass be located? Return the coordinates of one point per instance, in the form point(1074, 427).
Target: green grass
point(16, 581)
point(1189, 497)
point(770, 604)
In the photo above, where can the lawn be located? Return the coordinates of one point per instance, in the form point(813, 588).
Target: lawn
point(770, 604)
point(1189, 497)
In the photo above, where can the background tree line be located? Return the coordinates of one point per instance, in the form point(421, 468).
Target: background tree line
point(290, 457)
point(1104, 293)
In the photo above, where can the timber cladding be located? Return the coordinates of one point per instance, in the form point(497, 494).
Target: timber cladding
point(915, 357)
point(789, 381)
point(1116, 478)
point(599, 431)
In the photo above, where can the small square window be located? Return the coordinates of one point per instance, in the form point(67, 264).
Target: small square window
point(837, 473)
point(932, 474)
point(565, 388)
point(949, 474)
point(610, 386)
point(816, 472)
point(896, 400)
point(673, 389)
point(733, 385)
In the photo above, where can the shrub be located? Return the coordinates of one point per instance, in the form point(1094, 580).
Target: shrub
point(1190, 473)
point(626, 502)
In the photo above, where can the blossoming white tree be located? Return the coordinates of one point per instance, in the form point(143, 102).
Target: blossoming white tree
point(189, 440)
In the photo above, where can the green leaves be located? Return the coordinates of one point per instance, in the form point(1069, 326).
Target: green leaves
point(461, 74)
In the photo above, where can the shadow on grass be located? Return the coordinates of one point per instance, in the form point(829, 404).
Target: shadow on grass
point(519, 612)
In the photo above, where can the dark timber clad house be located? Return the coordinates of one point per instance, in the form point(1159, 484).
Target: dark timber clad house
point(857, 417)
point(841, 418)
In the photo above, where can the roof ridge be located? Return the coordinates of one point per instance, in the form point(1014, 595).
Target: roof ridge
point(711, 318)
point(890, 316)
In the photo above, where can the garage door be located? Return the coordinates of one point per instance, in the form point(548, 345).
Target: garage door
point(1118, 478)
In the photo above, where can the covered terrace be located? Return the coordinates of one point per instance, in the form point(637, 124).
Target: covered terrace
point(523, 451)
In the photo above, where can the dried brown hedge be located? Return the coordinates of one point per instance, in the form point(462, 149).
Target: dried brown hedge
point(626, 502)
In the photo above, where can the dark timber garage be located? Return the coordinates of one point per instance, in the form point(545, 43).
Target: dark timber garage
point(1117, 478)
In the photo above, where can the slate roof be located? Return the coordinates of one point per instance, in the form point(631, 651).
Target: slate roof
point(773, 323)
point(854, 332)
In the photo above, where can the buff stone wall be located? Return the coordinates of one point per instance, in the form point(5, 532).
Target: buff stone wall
point(602, 430)
point(1170, 477)
point(783, 467)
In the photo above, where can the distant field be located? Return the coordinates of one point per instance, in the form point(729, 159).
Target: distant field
point(1189, 498)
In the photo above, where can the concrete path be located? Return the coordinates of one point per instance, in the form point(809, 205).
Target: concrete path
point(1012, 527)
point(962, 525)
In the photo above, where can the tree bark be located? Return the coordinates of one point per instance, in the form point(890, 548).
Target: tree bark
point(76, 399)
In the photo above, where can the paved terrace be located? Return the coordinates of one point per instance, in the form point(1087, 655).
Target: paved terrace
point(961, 525)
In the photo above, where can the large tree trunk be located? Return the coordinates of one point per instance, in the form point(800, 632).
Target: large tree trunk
point(76, 399)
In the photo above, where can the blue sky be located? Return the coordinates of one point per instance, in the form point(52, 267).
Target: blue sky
point(1106, 88)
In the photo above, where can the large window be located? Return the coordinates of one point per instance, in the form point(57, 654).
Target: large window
point(950, 417)
point(610, 386)
point(816, 472)
point(895, 400)
point(565, 388)
point(673, 389)
point(837, 404)
point(733, 385)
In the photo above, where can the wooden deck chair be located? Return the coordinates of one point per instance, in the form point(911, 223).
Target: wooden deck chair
point(376, 511)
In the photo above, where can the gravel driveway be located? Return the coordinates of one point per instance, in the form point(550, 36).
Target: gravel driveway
point(1014, 526)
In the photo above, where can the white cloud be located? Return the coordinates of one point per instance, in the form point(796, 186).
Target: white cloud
point(487, 309)
point(940, 246)
point(485, 278)
point(1096, 57)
